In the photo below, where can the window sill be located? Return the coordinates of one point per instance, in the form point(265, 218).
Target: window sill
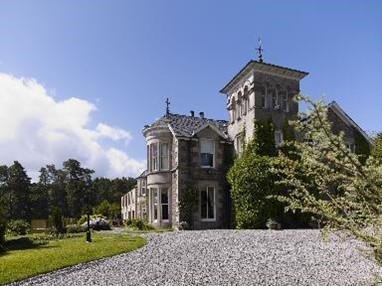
point(207, 167)
point(208, 219)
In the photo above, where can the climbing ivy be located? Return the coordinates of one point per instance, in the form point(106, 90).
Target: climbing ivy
point(188, 200)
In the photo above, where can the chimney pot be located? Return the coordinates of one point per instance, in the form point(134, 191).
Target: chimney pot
point(192, 113)
point(201, 114)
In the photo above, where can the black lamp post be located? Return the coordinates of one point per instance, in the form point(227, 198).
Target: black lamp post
point(87, 188)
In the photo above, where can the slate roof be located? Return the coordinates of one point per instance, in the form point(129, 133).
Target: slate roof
point(187, 126)
point(251, 62)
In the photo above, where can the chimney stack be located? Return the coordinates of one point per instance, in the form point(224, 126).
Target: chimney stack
point(201, 114)
point(192, 113)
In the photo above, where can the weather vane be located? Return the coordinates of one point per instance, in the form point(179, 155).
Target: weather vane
point(167, 106)
point(260, 51)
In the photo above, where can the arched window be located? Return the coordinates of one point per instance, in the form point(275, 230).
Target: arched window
point(246, 100)
point(232, 109)
point(263, 97)
point(283, 95)
point(239, 105)
point(274, 98)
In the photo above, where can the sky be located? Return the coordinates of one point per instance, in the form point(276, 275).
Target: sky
point(79, 79)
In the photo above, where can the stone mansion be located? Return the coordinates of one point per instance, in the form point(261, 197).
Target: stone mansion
point(189, 151)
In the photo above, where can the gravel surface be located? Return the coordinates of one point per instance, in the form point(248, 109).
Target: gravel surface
point(226, 257)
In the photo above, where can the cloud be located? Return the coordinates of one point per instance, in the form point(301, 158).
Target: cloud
point(36, 130)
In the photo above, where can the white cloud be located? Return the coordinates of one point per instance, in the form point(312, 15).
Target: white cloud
point(37, 130)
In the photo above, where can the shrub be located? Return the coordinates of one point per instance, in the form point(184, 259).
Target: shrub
point(84, 218)
point(272, 224)
point(73, 228)
point(97, 223)
point(3, 227)
point(139, 224)
point(57, 221)
point(18, 227)
point(183, 225)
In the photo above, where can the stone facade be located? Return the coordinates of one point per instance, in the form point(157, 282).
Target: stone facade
point(189, 152)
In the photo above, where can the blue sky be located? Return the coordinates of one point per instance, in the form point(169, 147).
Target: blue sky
point(123, 58)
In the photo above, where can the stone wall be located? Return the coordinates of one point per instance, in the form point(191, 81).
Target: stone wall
point(191, 174)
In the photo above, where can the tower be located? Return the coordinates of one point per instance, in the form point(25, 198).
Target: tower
point(260, 91)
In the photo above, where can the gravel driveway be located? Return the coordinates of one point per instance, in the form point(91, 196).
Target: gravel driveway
point(226, 257)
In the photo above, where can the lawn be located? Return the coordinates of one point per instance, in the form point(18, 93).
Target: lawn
point(32, 255)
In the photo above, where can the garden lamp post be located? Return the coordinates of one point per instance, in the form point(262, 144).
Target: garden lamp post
point(87, 189)
point(87, 181)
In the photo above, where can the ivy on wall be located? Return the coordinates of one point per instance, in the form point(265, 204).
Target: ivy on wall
point(188, 200)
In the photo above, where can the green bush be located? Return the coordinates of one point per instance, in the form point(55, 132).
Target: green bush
point(272, 224)
point(57, 221)
point(84, 218)
point(73, 228)
point(18, 227)
point(3, 228)
point(139, 224)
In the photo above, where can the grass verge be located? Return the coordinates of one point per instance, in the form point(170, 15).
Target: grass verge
point(29, 256)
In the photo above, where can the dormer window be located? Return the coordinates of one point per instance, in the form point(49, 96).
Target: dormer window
point(206, 153)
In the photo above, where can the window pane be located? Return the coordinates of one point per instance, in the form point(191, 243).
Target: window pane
point(206, 146)
point(155, 211)
point(211, 200)
point(164, 196)
point(207, 160)
point(203, 203)
point(164, 156)
point(165, 211)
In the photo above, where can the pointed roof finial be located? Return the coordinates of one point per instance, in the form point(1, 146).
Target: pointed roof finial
point(167, 106)
point(260, 51)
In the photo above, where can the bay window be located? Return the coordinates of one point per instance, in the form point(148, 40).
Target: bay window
point(164, 203)
point(158, 156)
point(164, 156)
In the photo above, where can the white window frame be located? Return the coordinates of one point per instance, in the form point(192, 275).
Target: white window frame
point(263, 96)
point(213, 153)
point(166, 156)
point(274, 99)
point(285, 101)
point(155, 203)
point(163, 204)
point(154, 160)
point(280, 134)
point(206, 188)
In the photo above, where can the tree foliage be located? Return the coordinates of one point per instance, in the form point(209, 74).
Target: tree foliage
point(3, 228)
point(331, 182)
point(252, 180)
point(377, 150)
point(65, 188)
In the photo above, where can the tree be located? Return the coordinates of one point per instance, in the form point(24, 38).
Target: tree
point(3, 228)
point(78, 181)
point(331, 182)
point(377, 150)
point(18, 188)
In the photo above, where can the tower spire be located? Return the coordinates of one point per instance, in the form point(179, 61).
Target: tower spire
point(167, 106)
point(260, 51)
